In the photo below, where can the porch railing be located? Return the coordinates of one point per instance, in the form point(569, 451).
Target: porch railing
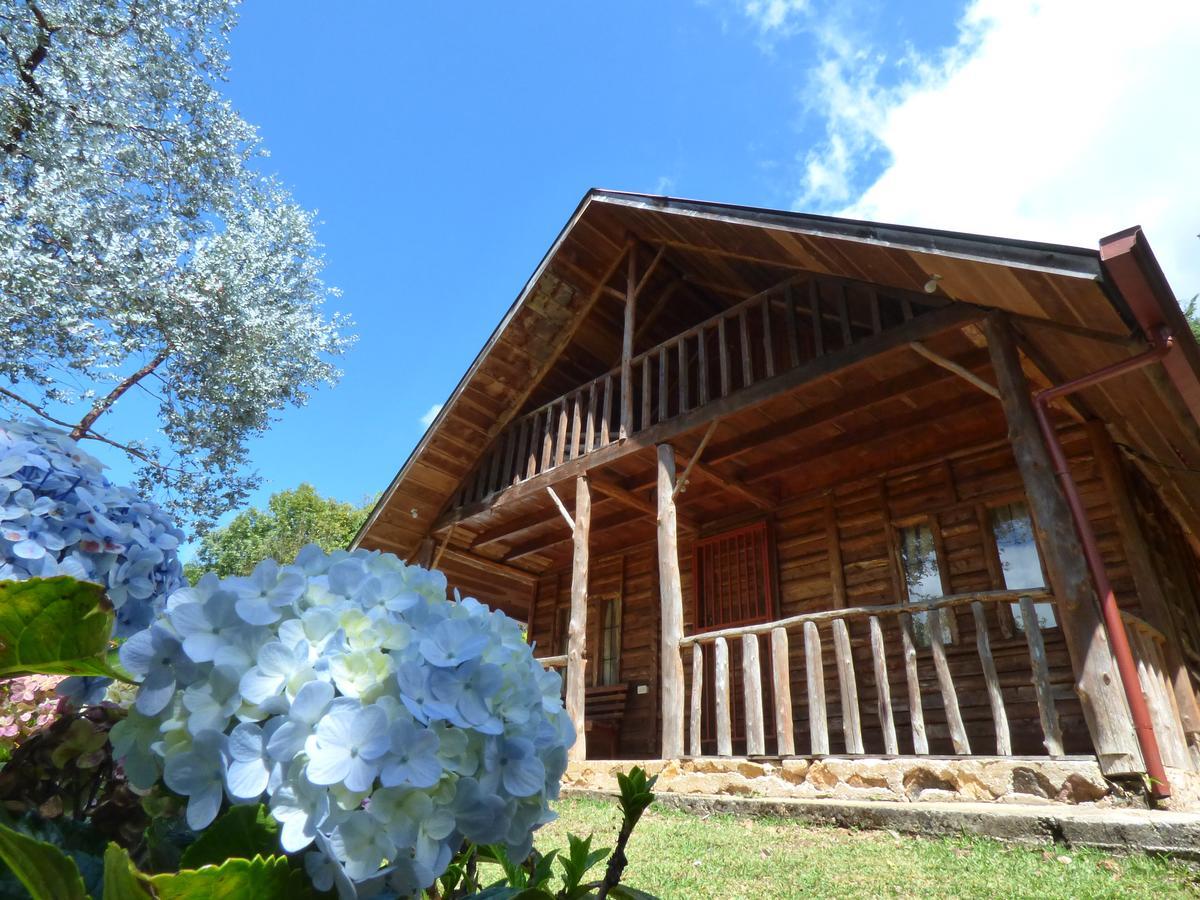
point(761, 337)
point(835, 626)
point(1148, 645)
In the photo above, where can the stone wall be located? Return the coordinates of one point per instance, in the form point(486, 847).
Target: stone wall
point(995, 779)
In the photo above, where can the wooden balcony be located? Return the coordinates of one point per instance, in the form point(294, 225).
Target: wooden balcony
point(698, 374)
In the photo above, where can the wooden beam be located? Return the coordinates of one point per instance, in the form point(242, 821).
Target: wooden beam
point(671, 601)
point(951, 366)
point(610, 487)
point(549, 541)
point(681, 484)
point(437, 557)
point(758, 497)
point(833, 545)
point(490, 565)
point(562, 508)
point(953, 316)
point(577, 627)
point(1097, 680)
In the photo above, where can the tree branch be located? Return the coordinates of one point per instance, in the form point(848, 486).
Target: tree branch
point(105, 403)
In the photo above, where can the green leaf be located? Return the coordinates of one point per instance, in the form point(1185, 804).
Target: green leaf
point(54, 626)
point(620, 892)
point(46, 872)
point(122, 880)
point(244, 831)
point(270, 878)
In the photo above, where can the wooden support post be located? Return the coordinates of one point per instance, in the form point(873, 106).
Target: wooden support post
point(697, 710)
point(916, 712)
point(848, 686)
point(781, 673)
point(756, 744)
point(671, 598)
point(1097, 681)
point(577, 625)
point(954, 721)
point(631, 288)
point(992, 680)
point(1047, 711)
point(562, 507)
point(1151, 596)
point(833, 546)
point(721, 697)
point(814, 664)
point(883, 688)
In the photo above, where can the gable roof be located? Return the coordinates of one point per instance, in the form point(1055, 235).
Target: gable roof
point(730, 248)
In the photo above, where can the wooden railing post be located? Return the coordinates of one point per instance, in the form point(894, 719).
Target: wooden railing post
point(1097, 681)
point(1047, 711)
point(995, 698)
point(887, 722)
point(671, 601)
point(721, 697)
point(818, 720)
point(694, 733)
point(756, 744)
point(781, 671)
point(954, 721)
point(916, 712)
point(577, 625)
point(848, 684)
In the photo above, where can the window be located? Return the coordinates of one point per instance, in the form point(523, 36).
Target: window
point(1020, 564)
point(733, 579)
point(922, 577)
point(610, 641)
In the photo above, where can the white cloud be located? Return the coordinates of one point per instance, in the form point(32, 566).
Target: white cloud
point(774, 15)
point(664, 185)
point(1059, 121)
point(430, 414)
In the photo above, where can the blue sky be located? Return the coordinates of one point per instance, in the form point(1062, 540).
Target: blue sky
point(446, 144)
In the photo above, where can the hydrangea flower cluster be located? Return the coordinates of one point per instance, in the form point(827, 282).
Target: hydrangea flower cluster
point(382, 723)
point(26, 705)
point(60, 515)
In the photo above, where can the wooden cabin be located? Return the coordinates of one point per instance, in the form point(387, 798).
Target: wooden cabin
point(773, 484)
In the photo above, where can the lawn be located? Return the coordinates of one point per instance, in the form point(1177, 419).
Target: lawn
point(680, 855)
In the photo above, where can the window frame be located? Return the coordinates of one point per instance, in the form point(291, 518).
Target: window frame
point(604, 603)
point(930, 520)
point(1011, 624)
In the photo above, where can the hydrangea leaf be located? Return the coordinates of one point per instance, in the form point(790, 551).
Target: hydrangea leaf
point(122, 880)
point(54, 626)
point(263, 878)
point(46, 872)
point(243, 831)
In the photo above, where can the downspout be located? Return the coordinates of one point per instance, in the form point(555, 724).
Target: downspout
point(1161, 342)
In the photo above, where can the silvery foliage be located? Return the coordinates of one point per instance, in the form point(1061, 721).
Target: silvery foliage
point(383, 724)
point(135, 228)
point(59, 515)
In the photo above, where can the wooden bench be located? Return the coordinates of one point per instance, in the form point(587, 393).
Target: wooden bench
point(603, 710)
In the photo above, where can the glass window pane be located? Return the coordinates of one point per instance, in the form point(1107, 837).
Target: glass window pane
point(918, 556)
point(610, 645)
point(1020, 564)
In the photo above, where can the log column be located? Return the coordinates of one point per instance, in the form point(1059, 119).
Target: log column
point(577, 625)
point(671, 597)
point(1097, 681)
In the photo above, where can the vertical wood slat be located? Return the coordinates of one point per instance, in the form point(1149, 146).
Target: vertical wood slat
point(511, 454)
point(883, 689)
point(723, 355)
point(664, 364)
point(814, 303)
point(548, 440)
point(479, 487)
point(1047, 710)
point(916, 712)
point(701, 368)
point(768, 342)
point(590, 430)
point(992, 680)
point(848, 687)
point(785, 732)
point(756, 744)
point(564, 423)
point(697, 699)
point(954, 721)
point(647, 393)
point(494, 484)
point(1163, 714)
point(818, 719)
point(844, 316)
point(533, 449)
point(606, 411)
point(682, 384)
point(793, 329)
point(576, 424)
point(721, 697)
point(747, 361)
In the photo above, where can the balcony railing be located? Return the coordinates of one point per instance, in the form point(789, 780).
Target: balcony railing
point(761, 337)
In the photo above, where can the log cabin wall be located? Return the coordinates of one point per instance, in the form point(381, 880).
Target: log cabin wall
point(953, 496)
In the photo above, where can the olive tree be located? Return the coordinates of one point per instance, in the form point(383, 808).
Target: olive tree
point(143, 251)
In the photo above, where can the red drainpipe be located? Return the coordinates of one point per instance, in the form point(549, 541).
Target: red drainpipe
point(1161, 342)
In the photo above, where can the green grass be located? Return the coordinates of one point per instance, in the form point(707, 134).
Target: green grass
point(680, 855)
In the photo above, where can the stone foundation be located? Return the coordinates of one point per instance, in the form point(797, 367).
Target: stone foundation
point(1028, 780)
